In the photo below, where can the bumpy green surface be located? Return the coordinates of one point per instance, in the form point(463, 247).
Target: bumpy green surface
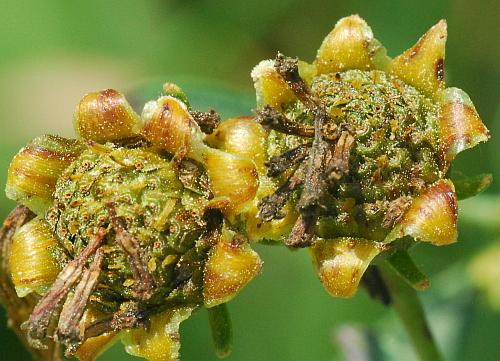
point(142, 185)
point(395, 153)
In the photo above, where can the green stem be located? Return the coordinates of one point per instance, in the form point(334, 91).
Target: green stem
point(407, 304)
point(222, 333)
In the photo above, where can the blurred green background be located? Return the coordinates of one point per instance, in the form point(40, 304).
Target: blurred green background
point(54, 51)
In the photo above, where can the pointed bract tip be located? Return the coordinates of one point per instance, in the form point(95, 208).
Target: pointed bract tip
point(432, 217)
point(346, 47)
point(161, 341)
point(270, 87)
point(35, 169)
point(341, 263)
point(105, 116)
point(460, 126)
point(422, 66)
point(231, 265)
point(168, 125)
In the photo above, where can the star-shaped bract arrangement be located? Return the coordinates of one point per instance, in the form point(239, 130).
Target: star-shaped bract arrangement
point(362, 145)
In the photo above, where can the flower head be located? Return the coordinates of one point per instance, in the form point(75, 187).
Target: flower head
point(362, 145)
point(129, 234)
point(128, 229)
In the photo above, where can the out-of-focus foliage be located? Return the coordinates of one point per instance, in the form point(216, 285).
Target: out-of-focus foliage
point(54, 51)
point(485, 273)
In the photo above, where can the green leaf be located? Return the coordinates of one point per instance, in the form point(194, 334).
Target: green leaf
point(403, 265)
point(467, 187)
point(484, 271)
point(482, 211)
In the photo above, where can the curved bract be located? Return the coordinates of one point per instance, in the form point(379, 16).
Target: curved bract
point(146, 218)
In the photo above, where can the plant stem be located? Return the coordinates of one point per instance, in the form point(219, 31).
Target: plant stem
point(222, 333)
point(407, 304)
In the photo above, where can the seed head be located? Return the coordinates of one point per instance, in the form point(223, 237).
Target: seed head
point(380, 135)
point(130, 235)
